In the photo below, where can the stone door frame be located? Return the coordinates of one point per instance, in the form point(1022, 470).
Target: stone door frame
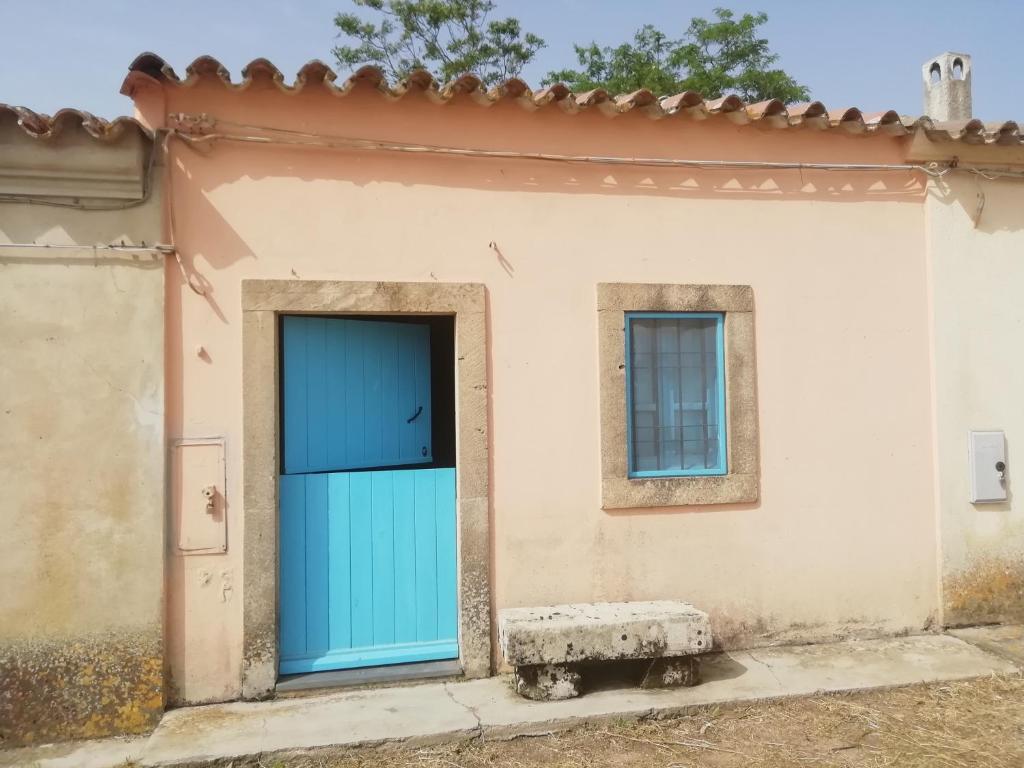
point(262, 303)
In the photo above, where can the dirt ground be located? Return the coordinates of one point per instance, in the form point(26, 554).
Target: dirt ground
point(949, 725)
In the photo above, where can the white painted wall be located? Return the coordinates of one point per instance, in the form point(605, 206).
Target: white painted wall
point(977, 276)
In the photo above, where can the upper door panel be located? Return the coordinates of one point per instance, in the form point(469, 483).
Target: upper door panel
point(355, 394)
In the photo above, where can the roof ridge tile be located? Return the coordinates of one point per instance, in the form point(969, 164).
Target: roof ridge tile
point(770, 112)
point(42, 126)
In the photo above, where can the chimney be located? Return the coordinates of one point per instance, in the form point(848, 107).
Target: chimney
point(947, 86)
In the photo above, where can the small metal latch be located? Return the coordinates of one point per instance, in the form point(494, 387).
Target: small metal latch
point(209, 492)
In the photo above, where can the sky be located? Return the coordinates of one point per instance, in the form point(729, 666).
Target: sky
point(864, 53)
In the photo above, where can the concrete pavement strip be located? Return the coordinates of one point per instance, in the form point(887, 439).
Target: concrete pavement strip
point(458, 711)
point(1006, 640)
point(101, 753)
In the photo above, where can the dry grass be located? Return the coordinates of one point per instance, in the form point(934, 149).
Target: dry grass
point(951, 725)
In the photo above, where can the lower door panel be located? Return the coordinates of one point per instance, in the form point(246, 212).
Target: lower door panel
point(368, 569)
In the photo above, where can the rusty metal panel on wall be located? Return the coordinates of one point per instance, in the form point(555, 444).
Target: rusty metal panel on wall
point(198, 496)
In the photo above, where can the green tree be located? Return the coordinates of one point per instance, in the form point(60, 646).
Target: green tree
point(714, 57)
point(446, 37)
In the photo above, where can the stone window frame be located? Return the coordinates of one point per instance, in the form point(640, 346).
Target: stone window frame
point(740, 484)
point(263, 301)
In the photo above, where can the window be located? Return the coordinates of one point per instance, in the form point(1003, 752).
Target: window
point(678, 395)
point(675, 381)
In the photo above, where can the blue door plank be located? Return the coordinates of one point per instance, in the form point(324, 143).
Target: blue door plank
point(392, 409)
point(339, 548)
point(383, 523)
point(317, 393)
point(362, 559)
point(426, 556)
point(371, 657)
point(294, 397)
point(355, 406)
point(447, 572)
point(405, 556)
point(406, 379)
point(423, 449)
point(317, 604)
point(336, 406)
point(292, 573)
point(373, 405)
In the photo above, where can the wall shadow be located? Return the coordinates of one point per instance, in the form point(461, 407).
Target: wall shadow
point(202, 171)
point(994, 205)
point(627, 675)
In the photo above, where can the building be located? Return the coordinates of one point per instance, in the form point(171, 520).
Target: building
point(435, 351)
point(82, 465)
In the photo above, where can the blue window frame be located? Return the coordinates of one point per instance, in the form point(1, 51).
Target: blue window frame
point(675, 394)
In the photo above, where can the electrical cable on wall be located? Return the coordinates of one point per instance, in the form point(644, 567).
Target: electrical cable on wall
point(289, 137)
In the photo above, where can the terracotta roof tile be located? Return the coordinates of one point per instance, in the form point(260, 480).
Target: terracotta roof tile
point(725, 104)
point(556, 92)
point(806, 110)
point(591, 98)
point(771, 113)
point(461, 85)
point(510, 89)
point(314, 73)
point(681, 101)
point(641, 98)
point(763, 109)
point(40, 126)
point(1006, 133)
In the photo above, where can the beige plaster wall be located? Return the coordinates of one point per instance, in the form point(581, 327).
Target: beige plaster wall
point(977, 275)
point(82, 459)
point(842, 539)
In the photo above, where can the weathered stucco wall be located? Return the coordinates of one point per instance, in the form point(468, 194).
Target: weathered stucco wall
point(81, 460)
point(977, 275)
point(842, 539)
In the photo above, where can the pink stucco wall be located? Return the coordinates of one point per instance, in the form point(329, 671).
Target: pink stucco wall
point(843, 539)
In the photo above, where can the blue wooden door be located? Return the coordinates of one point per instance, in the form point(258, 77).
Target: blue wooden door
point(367, 556)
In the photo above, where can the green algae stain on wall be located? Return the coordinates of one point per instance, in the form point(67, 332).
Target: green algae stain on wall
point(80, 688)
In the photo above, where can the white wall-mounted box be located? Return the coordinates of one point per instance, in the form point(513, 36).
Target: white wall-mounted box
point(198, 496)
point(987, 453)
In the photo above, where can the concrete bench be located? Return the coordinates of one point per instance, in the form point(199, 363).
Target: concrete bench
point(548, 645)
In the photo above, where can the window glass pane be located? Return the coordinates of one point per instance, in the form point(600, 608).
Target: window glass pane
point(676, 416)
